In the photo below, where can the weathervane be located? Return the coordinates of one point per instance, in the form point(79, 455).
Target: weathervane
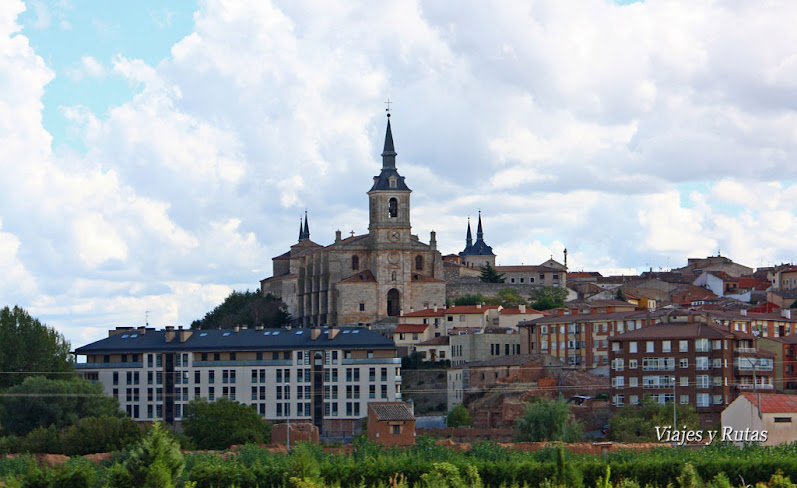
point(388, 107)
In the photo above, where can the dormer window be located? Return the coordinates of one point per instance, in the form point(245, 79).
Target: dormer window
point(392, 207)
point(392, 181)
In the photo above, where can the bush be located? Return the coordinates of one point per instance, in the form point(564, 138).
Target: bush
point(155, 453)
point(220, 424)
point(459, 416)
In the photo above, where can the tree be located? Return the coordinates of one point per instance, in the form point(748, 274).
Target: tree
point(30, 346)
point(548, 297)
point(156, 461)
point(510, 298)
point(638, 423)
point(459, 416)
point(42, 402)
point(491, 275)
point(219, 424)
point(250, 308)
point(619, 295)
point(547, 420)
point(468, 299)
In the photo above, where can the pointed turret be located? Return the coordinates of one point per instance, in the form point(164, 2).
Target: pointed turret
point(389, 178)
point(388, 153)
point(306, 227)
point(479, 233)
point(301, 230)
point(478, 248)
point(468, 237)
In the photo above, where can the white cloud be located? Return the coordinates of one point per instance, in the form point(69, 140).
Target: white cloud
point(569, 125)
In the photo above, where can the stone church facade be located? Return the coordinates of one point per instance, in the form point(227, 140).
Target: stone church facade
point(362, 279)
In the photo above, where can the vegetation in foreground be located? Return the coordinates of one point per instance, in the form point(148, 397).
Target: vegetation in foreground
point(156, 462)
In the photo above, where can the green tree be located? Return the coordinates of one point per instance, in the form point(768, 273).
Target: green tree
point(156, 461)
point(547, 420)
point(99, 434)
point(638, 423)
point(619, 295)
point(42, 402)
point(219, 424)
point(548, 297)
point(250, 308)
point(510, 298)
point(28, 346)
point(491, 275)
point(459, 416)
point(468, 299)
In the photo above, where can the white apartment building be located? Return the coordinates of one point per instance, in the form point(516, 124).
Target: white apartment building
point(326, 376)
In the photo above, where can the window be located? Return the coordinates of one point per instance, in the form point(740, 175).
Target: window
point(684, 399)
point(703, 399)
point(632, 364)
point(419, 263)
point(392, 208)
point(395, 429)
point(355, 263)
point(702, 381)
point(683, 346)
point(701, 363)
point(782, 420)
point(684, 381)
point(684, 363)
point(632, 347)
point(633, 382)
point(650, 346)
point(666, 346)
point(362, 307)
point(702, 345)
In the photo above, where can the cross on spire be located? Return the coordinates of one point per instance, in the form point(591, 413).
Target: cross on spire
point(388, 102)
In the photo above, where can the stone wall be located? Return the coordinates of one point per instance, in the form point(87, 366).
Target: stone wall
point(462, 287)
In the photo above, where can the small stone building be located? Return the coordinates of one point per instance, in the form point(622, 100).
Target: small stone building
point(391, 424)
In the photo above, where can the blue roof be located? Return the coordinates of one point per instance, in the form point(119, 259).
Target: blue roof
point(243, 340)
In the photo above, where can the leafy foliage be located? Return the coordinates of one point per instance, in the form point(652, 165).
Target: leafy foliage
point(619, 295)
point(248, 308)
point(459, 416)
point(219, 424)
point(510, 298)
point(491, 275)
point(548, 297)
point(30, 346)
point(156, 461)
point(547, 420)
point(469, 299)
point(42, 402)
point(638, 423)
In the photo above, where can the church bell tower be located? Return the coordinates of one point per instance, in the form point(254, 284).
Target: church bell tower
point(389, 200)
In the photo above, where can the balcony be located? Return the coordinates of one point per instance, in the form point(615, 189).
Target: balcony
point(745, 386)
point(372, 361)
point(262, 362)
point(398, 379)
point(108, 365)
point(750, 350)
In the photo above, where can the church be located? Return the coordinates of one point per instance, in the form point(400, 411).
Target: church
point(363, 278)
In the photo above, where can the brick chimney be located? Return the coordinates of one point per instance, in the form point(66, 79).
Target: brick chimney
point(315, 333)
point(184, 333)
point(333, 332)
point(170, 333)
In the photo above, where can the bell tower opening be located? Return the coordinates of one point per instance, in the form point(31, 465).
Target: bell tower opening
point(393, 303)
point(392, 208)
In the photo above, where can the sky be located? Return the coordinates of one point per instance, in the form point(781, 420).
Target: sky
point(155, 155)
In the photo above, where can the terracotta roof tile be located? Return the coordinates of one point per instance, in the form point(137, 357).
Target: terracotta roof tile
point(435, 341)
point(429, 312)
point(389, 411)
point(773, 402)
point(410, 328)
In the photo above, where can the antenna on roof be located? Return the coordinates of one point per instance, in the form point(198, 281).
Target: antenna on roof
point(146, 318)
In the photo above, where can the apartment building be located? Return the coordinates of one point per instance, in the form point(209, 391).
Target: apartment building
point(581, 339)
point(785, 351)
point(483, 344)
point(326, 376)
point(693, 363)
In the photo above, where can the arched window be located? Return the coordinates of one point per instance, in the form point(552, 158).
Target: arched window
point(419, 263)
point(392, 207)
point(355, 263)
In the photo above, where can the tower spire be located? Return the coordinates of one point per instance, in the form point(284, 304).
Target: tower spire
point(389, 152)
point(301, 230)
point(468, 237)
point(306, 227)
point(479, 233)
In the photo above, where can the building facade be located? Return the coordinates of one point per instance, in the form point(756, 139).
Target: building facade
point(693, 363)
point(323, 376)
point(364, 278)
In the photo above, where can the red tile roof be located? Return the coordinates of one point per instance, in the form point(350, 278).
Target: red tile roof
point(466, 309)
point(516, 311)
point(361, 277)
point(410, 328)
point(773, 402)
point(435, 341)
point(429, 312)
point(753, 283)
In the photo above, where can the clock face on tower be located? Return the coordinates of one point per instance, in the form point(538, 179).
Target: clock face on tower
point(394, 235)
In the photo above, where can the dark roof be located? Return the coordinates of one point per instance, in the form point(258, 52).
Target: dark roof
point(382, 182)
point(361, 277)
point(410, 328)
point(435, 341)
point(677, 331)
point(590, 317)
point(243, 340)
point(391, 411)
